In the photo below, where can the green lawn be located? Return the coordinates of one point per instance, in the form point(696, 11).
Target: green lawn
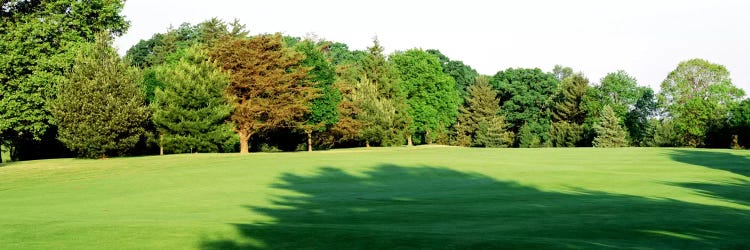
point(384, 198)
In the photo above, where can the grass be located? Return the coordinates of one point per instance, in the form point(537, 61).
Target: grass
point(421, 197)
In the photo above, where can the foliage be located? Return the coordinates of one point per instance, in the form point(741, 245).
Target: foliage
point(740, 123)
point(565, 134)
point(526, 99)
point(431, 94)
point(609, 132)
point(99, 108)
point(37, 43)
point(697, 94)
point(323, 111)
point(267, 83)
point(191, 109)
point(492, 133)
point(479, 123)
point(637, 119)
point(463, 74)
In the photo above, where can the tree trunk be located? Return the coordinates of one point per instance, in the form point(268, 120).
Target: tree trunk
point(367, 143)
point(1, 153)
point(408, 141)
point(427, 137)
point(161, 144)
point(244, 139)
point(309, 141)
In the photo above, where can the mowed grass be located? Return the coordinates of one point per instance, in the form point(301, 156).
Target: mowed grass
point(383, 198)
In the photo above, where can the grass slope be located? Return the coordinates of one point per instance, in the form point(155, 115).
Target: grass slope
point(421, 197)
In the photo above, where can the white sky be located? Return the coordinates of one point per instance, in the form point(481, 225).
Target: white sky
point(645, 38)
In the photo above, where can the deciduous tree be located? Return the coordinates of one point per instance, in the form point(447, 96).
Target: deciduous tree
point(697, 94)
point(267, 84)
point(431, 94)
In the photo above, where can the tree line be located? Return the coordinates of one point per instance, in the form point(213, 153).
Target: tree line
point(213, 87)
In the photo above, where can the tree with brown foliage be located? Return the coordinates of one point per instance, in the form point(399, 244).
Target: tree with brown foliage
point(267, 83)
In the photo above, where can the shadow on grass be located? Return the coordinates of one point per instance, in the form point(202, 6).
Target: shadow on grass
point(437, 208)
point(736, 190)
point(737, 164)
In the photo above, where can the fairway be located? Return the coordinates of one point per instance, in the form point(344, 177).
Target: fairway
point(428, 197)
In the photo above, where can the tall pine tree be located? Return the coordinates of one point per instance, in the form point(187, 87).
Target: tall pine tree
point(609, 132)
point(479, 123)
point(191, 110)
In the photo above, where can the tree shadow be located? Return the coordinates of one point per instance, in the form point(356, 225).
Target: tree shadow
point(737, 164)
point(736, 190)
point(428, 207)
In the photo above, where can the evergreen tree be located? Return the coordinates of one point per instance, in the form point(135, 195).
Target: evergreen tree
point(191, 109)
point(567, 115)
point(478, 121)
point(491, 132)
point(609, 132)
point(323, 109)
point(267, 84)
point(388, 111)
point(100, 108)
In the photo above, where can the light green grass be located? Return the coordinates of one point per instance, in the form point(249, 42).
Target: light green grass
point(383, 198)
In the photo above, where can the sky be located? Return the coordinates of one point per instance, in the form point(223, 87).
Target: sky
point(645, 38)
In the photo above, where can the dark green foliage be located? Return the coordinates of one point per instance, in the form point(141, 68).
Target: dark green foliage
point(37, 39)
point(565, 134)
point(740, 122)
point(100, 108)
point(665, 134)
point(191, 109)
point(637, 120)
point(479, 122)
point(463, 74)
point(535, 134)
point(431, 94)
point(618, 90)
point(568, 99)
point(323, 111)
point(697, 96)
point(526, 98)
point(609, 132)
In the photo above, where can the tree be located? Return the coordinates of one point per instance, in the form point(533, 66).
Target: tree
point(526, 98)
point(637, 120)
point(191, 110)
point(323, 109)
point(37, 41)
point(609, 133)
point(431, 94)
point(562, 72)
point(491, 132)
point(479, 122)
point(99, 108)
point(740, 123)
point(267, 84)
point(567, 115)
point(697, 95)
point(390, 100)
point(619, 90)
point(463, 74)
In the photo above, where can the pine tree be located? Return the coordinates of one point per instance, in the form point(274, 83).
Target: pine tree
point(267, 84)
point(100, 108)
point(609, 132)
point(191, 110)
point(568, 100)
point(388, 114)
point(478, 121)
point(493, 133)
